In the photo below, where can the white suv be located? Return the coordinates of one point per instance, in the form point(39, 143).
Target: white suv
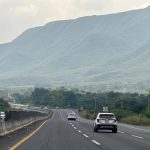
point(72, 116)
point(105, 121)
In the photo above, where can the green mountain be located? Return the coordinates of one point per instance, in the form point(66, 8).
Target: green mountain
point(108, 50)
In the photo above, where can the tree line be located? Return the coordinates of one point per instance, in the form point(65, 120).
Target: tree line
point(121, 103)
point(4, 106)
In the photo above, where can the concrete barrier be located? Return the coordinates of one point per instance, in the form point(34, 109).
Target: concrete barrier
point(20, 119)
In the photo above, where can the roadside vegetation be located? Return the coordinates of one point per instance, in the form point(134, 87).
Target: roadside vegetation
point(136, 120)
point(4, 106)
point(128, 107)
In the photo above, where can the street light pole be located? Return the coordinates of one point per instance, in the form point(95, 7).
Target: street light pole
point(122, 96)
point(148, 101)
point(95, 103)
point(121, 102)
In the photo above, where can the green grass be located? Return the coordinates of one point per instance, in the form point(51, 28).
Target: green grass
point(136, 120)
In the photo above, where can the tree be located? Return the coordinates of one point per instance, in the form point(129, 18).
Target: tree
point(40, 96)
point(4, 106)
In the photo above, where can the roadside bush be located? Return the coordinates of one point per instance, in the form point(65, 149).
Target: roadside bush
point(4, 106)
point(136, 120)
point(121, 113)
point(88, 114)
point(147, 114)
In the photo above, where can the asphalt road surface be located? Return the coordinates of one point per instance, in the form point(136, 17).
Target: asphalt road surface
point(59, 134)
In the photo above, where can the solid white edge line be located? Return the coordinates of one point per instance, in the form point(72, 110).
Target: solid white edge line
point(85, 135)
point(95, 142)
point(136, 128)
point(138, 136)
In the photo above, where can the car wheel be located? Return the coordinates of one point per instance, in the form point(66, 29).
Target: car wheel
point(114, 130)
point(95, 129)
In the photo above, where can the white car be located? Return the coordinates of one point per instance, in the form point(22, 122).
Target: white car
point(72, 116)
point(105, 121)
point(2, 115)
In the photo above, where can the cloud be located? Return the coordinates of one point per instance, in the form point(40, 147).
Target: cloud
point(30, 10)
point(18, 15)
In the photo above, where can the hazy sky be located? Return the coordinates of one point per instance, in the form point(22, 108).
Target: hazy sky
point(19, 15)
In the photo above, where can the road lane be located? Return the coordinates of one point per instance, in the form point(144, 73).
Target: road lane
point(58, 134)
point(126, 139)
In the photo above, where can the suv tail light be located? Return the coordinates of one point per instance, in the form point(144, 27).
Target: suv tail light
point(101, 120)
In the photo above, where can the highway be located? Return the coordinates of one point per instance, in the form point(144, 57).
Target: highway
point(59, 134)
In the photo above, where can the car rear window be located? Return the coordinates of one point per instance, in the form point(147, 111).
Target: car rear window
point(71, 114)
point(106, 116)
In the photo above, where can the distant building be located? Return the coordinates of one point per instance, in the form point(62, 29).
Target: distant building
point(4, 94)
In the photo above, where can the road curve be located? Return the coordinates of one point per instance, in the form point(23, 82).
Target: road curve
point(60, 134)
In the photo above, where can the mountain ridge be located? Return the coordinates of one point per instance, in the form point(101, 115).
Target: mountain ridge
point(93, 50)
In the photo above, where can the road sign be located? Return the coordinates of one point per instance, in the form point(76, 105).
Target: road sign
point(105, 109)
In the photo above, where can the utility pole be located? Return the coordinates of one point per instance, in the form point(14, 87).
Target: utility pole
point(95, 103)
point(121, 102)
point(148, 101)
point(122, 96)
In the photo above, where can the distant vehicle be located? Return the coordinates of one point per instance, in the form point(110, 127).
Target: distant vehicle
point(2, 115)
point(105, 121)
point(72, 116)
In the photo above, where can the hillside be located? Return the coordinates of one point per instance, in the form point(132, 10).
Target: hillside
point(102, 50)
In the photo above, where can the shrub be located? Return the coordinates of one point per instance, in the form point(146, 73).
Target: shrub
point(4, 106)
point(136, 120)
point(121, 113)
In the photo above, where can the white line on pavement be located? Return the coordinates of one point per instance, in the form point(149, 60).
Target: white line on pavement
point(61, 116)
point(136, 128)
point(79, 131)
point(95, 142)
point(120, 132)
point(75, 128)
point(138, 136)
point(85, 135)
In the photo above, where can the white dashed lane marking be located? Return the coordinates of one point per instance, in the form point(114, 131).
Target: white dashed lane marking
point(139, 137)
point(75, 128)
point(95, 142)
point(120, 132)
point(85, 135)
point(79, 131)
